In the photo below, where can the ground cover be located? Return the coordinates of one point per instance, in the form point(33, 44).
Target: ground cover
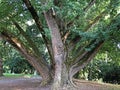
point(19, 82)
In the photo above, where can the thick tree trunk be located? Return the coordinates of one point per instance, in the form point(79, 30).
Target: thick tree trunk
point(65, 75)
point(1, 68)
point(58, 48)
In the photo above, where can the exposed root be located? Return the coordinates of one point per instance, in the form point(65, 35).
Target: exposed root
point(45, 83)
point(72, 83)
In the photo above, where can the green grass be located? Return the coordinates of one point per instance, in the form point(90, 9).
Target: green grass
point(9, 75)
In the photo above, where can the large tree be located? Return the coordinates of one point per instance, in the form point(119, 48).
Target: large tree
point(69, 32)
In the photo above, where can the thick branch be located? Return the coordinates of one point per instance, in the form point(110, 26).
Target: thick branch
point(31, 58)
point(35, 16)
point(86, 58)
point(57, 45)
point(109, 27)
point(78, 38)
point(39, 25)
point(31, 43)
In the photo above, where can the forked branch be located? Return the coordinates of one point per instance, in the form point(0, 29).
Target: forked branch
point(35, 16)
point(85, 59)
point(30, 57)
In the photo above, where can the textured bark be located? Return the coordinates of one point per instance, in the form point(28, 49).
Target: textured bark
point(35, 16)
point(58, 48)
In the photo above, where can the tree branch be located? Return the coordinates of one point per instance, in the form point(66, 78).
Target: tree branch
point(57, 45)
point(85, 10)
point(35, 16)
point(78, 38)
point(56, 2)
point(31, 43)
point(85, 59)
point(90, 4)
point(36, 62)
point(93, 22)
point(39, 25)
point(65, 36)
point(108, 27)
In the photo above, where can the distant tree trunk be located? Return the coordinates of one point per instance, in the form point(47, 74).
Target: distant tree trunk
point(1, 68)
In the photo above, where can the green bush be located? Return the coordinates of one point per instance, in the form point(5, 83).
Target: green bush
point(17, 64)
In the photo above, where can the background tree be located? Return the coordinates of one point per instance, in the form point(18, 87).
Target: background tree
point(70, 31)
point(12, 61)
point(106, 64)
point(1, 68)
point(1, 58)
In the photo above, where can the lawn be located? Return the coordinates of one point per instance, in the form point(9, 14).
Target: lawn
point(9, 75)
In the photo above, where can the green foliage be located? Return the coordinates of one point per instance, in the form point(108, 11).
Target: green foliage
point(101, 22)
point(110, 72)
point(17, 64)
point(106, 64)
point(12, 61)
point(9, 75)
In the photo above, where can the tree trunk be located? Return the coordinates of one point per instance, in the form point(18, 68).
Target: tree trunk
point(65, 83)
point(58, 48)
point(1, 68)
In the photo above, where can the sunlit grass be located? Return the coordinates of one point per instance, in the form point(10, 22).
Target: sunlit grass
point(10, 75)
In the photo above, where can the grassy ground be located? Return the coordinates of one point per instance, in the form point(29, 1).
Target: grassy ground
point(9, 75)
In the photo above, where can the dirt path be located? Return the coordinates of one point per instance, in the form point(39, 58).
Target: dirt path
point(21, 84)
point(34, 84)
